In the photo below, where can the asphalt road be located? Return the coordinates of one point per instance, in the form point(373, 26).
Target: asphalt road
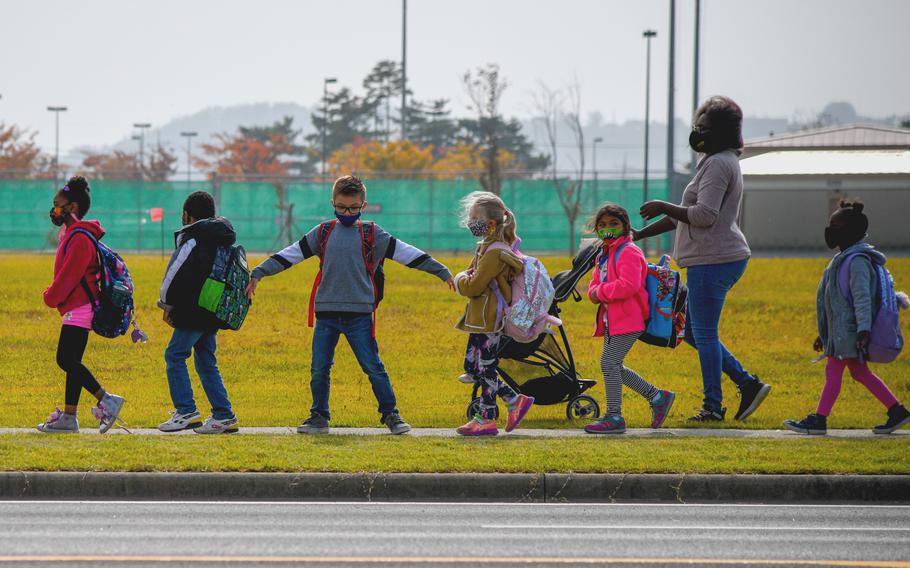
point(111, 533)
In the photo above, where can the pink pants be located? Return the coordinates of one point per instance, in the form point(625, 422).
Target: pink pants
point(834, 374)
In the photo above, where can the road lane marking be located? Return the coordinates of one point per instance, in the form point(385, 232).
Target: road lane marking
point(694, 528)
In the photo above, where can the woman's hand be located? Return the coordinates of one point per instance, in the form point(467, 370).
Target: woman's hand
point(818, 345)
point(652, 209)
point(635, 234)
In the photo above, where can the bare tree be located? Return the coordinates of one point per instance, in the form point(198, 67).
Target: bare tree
point(485, 87)
point(554, 106)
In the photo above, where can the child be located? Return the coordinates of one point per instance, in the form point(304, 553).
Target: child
point(345, 296)
point(843, 327)
point(195, 329)
point(618, 289)
point(75, 286)
point(487, 217)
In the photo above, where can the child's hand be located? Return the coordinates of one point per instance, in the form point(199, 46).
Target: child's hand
point(451, 283)
point(592, 295)
point(251, 288)
point(862, 341)
point(818, 345)
point(167, 318)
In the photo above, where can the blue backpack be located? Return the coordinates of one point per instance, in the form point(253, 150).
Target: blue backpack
point(113, 309)
point(886, 340)
point(667, 297)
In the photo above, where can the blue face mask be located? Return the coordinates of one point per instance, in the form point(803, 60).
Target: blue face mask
point(347, 220)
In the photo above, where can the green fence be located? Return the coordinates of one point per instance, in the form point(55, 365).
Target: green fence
point(421, 212)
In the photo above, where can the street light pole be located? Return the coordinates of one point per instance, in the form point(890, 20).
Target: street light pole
point(404, 65)
point(647, 34)
point(594, 160)
point(56, 110)
point(695, 74)
point(189, 139)
point(142, 126)
point(325, 117)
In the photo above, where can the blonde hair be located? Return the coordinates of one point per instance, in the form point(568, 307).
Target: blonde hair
point(495, 210)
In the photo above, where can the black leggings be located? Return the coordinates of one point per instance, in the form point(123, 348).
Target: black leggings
point(70, 349)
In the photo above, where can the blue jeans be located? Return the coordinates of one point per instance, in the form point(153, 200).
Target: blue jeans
point(359, 333)
point(202, 344)
point(708, 286)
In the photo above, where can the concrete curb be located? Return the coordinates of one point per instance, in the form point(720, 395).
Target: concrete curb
point(457, 487)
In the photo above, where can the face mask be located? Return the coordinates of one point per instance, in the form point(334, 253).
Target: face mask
point(479, 228)
point(609, 233)
point(58, 215)
point(698, 140)
point(347, 220)
point(841, 237)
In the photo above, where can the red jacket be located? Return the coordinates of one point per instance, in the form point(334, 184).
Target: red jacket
point(80, 261)
point(624, 290)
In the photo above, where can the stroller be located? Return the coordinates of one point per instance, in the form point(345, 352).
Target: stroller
point(545, 368)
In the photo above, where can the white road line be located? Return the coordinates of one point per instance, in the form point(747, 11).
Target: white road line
point(442, 504)
point(694, 528)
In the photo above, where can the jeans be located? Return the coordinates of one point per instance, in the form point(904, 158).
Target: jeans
point(202, 343)
point(359, 333)
point(708, 286)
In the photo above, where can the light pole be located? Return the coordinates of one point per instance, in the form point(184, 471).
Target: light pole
point(142, 126)
point(404, 65)
point(695, 74)
point(594, 160)
point(189, 140)
point(56, 110)
point(325, 117)
point(671, 108)
point(647, 34)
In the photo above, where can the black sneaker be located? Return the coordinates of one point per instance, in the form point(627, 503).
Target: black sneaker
point(897, 416)
point(705, 415)
point(752, 395)
point(814, 424)
point(396, 424)
point(315, 424)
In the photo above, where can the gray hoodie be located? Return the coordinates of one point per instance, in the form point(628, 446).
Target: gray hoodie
point(838, 320)
point(346, 286)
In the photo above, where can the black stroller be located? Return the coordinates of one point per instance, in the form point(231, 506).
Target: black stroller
point(545, 368)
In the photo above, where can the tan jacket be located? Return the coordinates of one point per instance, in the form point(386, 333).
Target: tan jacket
point(474, 283)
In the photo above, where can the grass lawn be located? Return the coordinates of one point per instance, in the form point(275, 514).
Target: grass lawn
point(768, 323)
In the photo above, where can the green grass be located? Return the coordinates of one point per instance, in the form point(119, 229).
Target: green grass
point(768, 323)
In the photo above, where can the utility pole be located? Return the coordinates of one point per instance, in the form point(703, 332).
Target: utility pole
point(142, 126)
point(695, 75)
point(56, 110)
point(325, 117)
point(671, 114)
point(648, 35)
point(404, 66)
point(189, 139)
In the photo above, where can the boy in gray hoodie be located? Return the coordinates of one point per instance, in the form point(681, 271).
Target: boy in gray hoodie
point(345, 295)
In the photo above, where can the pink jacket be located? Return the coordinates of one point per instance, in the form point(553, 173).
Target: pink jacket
point(623, 291)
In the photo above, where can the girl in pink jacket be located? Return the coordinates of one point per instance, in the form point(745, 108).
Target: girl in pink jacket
point(618, 289)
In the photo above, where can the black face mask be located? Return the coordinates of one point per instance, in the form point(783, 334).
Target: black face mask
point(58, 219)
point(841, 237)
point(698, 140)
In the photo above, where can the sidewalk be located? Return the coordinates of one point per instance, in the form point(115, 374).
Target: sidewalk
point(520, 433)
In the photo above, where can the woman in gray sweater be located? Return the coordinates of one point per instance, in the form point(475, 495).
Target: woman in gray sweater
point(713, 249)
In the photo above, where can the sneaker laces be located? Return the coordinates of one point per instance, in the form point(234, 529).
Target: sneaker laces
point(54, 416)
point(704, 413)
point(101, 412)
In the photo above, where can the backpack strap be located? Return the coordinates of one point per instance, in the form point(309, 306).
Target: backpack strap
point(322, 240)
point(368, 249)
point(603, 262)
point(91, 297)
point(843, 275)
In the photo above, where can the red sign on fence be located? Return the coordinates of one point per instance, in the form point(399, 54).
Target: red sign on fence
point(156, 214)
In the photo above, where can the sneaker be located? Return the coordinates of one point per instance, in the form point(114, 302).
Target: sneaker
point(752, 394)
point(315, 424)
point(660, 407)
point(705, 415)
point(466, 379)
point(396, 423)
point(612, 424)
point(814, 424)
point(897, 416)
point(108, 411)
point(59, 422)
point(517, 411)
point(215, 426)
point(179, 421)
point(478, 426)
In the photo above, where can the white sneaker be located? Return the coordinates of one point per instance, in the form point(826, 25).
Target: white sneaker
point(467, 379)
point(179, 421)
point(212, 426)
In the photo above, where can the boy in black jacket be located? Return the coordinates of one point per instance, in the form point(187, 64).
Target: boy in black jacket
point(195, 328)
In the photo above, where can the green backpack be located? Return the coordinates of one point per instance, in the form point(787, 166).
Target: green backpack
point(224, 291)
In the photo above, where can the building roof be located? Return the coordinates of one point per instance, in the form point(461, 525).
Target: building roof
point(855, 136)
point(827, 162)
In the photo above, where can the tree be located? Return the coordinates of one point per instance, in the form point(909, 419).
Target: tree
point(382, 85)
point(19, 155)
point(463, 158)
point(114, 165)
point(253, 151)
point(399, 158)
point(905, 124)
point(430, 124)
point(485, 87)
point(344, 118)
point(162, 164)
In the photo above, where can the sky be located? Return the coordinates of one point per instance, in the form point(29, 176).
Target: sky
point(116, 62)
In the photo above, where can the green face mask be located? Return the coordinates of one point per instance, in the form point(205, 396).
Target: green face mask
point(609, 233)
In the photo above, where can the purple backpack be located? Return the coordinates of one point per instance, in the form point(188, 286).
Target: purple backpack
point(886, 341)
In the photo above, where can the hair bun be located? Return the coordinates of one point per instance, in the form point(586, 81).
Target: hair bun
point(78, 183)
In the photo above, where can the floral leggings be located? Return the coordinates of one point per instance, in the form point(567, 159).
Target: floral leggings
point(480, 361)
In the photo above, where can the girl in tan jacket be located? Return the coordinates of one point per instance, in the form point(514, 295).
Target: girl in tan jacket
point(488, 218)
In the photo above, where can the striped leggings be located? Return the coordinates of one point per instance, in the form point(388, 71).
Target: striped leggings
point(616, 374)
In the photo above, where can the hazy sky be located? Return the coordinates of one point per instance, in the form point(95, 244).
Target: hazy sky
point(115, 62)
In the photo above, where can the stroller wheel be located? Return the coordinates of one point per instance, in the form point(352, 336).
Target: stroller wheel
point(473, 408)
point(582, 407)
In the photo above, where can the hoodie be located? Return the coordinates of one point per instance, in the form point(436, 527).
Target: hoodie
point(839, 321)
point(190, 264)
point(621, 294)
point(76, 259)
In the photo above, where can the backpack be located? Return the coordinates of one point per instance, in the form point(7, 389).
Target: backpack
point(885, 338)
point(532, 295)
point(667, 297)
point(224, 290)
point(112, 310)
point(368, 249)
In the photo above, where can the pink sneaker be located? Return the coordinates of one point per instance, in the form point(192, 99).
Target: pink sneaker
point(517, 411)
point(478, 427)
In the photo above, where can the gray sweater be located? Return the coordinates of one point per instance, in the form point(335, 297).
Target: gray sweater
point(714, 200)
point(346, 286)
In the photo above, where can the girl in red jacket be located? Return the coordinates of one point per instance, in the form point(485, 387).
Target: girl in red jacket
point(618, 289)
point(74, 287)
